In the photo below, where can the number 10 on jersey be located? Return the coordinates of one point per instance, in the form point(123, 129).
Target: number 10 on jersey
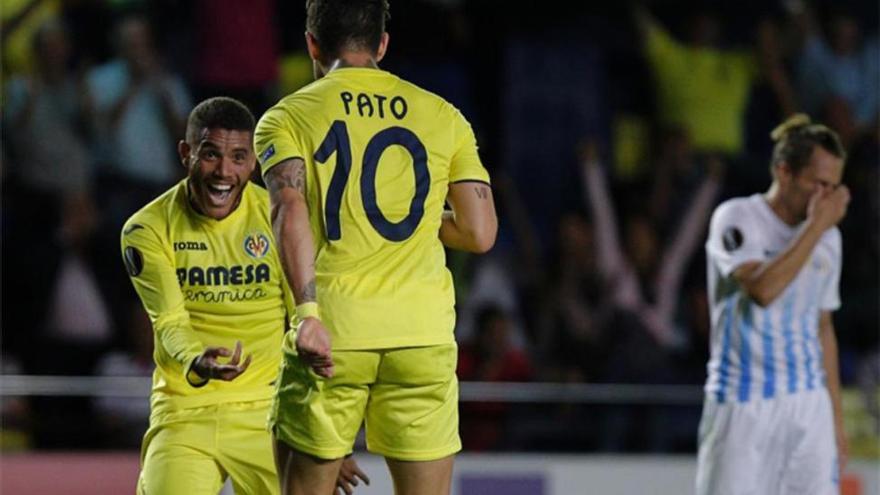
point(337, 141)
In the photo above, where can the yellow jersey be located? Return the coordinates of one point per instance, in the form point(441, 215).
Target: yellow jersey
point(703, 89)
point(207, 282)
point(380, 154)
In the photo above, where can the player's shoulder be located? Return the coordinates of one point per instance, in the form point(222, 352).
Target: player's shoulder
point(294, 103)
point(427, 98)
point(735, 209)
point(157, 214)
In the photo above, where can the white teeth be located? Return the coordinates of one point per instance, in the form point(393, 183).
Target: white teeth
point(221, 187)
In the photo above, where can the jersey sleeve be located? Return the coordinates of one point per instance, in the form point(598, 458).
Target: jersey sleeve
point(466, 164)
point(154, 278)
point(275, 140)
point(831, 291)
point(733, 239)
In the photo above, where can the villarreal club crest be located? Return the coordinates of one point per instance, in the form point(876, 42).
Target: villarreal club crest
point(256, 245)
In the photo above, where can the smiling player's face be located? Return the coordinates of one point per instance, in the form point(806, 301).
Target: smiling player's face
point(219, 166)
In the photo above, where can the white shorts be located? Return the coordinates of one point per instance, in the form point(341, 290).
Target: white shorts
point(783, 446)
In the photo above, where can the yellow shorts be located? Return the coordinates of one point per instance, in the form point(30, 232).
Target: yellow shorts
point(408, 398)
point(193, 451)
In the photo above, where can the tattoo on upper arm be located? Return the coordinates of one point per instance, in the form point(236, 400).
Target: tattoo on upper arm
point(287, 174)
point(482, 192)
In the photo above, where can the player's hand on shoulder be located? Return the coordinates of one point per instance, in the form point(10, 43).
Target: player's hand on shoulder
point(313, 346)
point(208, 366)
point(349, 475)
point(829, 207)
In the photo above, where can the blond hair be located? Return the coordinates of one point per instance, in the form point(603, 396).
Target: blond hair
point(797, 136)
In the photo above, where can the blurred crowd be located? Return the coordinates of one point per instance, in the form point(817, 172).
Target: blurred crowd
point(611, 132)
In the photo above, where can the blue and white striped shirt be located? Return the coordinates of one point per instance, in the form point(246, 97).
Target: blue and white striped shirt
point(765, 352)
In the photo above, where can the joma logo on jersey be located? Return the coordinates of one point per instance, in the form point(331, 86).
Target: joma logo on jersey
point(190, 246)
point(256, 245)
point(222, 275)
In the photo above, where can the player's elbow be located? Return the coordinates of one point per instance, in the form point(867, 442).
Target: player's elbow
point(483, 239)
point(761, 296)
point(482, 244)
point(757, 284)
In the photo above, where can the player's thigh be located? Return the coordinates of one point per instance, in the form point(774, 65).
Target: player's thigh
point(812, 464)
point(319, 416)
point(413, 409)
point(245, 446)
point(178, 459)
point(421, 477)
point(741, 449)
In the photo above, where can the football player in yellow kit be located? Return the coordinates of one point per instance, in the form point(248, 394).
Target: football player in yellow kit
point(202, 260)
point(359, 165)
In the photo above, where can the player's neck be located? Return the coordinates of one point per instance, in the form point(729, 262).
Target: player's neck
point(353, 59)
point(773, 197)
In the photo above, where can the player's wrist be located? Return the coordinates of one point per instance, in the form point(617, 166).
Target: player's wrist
point(308, 310)
point(193, 377)
point(817, 225)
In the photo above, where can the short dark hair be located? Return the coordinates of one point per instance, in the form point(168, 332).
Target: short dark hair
point(795, 139)
point(338, 25)
point(219, 112)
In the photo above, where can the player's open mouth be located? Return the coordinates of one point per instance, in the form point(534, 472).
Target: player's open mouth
point(219, 193)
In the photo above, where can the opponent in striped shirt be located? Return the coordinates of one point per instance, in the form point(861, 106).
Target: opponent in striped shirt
point(771, 420)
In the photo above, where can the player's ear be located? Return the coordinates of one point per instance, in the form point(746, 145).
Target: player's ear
point(252, 161)
point(783, 173)
point(383, 47)
point(183, 149)
point(312, 45)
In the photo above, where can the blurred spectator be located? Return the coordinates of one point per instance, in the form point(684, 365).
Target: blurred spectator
point(674, 176)
point(237, 50)
point(52, 103)
point(489, 357)
point(492, 284)
point(705, 88)
point(47, 119)
point(142, 108)
point(838, 74)
point(125, 418)
point(20, 21)
point(78, 312)
point(643, 286)
point(572, 331)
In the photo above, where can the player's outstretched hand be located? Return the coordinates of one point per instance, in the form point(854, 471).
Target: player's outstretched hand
point(829, 208)
point(313, 346)
point(349, 473)
point(207, 365)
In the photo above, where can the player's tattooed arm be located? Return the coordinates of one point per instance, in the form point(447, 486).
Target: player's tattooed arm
point(286, 183)
point(472, 224)
point(290, 223)
point(482, 191)
point(309, 294)
point(289, 174)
